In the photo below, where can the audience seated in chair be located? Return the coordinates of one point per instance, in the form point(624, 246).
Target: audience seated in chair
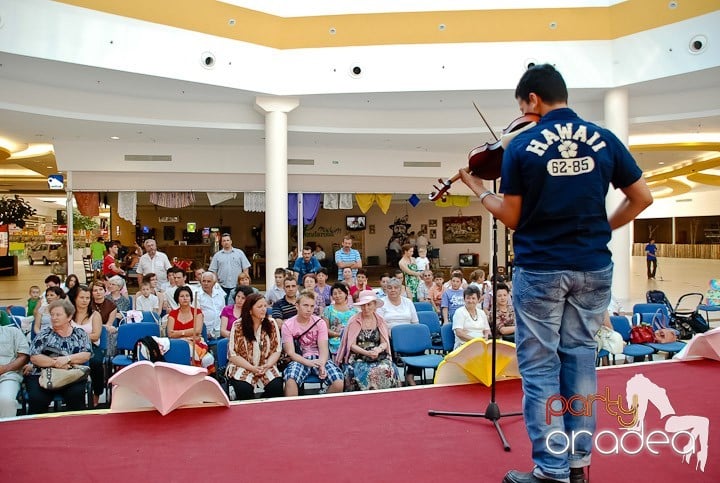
point(232, 313)
point(337, 315)
point(469, 321)
point(14, 354)
point(312, 337)
point(89, 321)
point(186, 322)
point(365, 354)
point(61, 346)
point(254, 349)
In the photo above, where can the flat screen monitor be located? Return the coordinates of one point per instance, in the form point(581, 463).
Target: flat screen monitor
point(355, 223)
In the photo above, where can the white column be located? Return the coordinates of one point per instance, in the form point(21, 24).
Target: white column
point(616, 119)
point(300, 225)
point(275, 110)
point(69, 267)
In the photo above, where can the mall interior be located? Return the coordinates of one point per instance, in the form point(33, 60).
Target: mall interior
point(234, 116)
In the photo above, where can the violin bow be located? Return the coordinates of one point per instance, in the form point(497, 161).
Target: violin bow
point(485, 121)
point(443, 187)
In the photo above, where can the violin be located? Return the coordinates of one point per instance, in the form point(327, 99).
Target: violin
point(485, 161)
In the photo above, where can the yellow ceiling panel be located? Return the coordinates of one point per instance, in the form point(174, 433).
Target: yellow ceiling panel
point(498, 25)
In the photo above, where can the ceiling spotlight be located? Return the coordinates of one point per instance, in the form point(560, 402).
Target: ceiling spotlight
point(114, 138)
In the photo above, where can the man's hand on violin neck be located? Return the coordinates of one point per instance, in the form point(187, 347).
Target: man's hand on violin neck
point(472, 182)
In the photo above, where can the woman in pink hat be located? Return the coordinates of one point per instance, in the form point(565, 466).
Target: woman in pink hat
point(365, 354)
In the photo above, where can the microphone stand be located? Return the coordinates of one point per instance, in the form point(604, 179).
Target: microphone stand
point(492, 412)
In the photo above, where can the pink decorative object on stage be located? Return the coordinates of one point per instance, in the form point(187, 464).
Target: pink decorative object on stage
point(165, 387)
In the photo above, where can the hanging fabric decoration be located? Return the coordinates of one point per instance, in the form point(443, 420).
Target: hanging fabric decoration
point(461, 201)
point(311, 205)
point(172, 200)
point(414, 200)
point(383, 201)
point(127, 205)
point(345, 202)
point(337, 201)
point(217, 198)
point(366, 200)
point(88, 203)
point(331, 201)
point(254, 201)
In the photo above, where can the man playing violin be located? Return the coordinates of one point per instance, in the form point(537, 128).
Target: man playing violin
point(555, 177)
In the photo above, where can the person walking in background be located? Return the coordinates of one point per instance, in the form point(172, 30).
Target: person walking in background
point(555, 178)
point(97, 253)
point(651, 258)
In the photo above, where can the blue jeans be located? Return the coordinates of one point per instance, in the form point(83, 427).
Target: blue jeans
point(557, 315)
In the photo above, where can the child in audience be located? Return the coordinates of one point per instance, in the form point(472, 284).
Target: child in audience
point(452, 298)
point(436, 292)
point(422, 261)
point(34, 299)
point(147, 301)
point(456, 270)
point(309, 283)
point(276, 290)
point(477, 279)
point(33, 302)
point(361, 283)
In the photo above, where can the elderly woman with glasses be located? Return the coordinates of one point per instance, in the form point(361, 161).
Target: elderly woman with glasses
point(397, 309)
point(365, 353)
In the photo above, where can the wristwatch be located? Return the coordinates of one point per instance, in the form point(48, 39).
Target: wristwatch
point(485, 195)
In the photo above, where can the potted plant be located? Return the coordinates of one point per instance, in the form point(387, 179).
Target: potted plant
point(15, 211)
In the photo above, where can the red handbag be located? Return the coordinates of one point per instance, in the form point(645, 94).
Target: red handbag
point(641, 334)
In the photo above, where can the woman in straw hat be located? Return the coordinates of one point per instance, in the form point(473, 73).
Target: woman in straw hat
point(365, 353)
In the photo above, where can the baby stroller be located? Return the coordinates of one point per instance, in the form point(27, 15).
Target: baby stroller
point(684, 317)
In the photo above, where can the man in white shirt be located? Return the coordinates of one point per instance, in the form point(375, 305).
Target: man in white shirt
point(155, 262)
point(14, 354)
point(228, 263)
point(211, 300)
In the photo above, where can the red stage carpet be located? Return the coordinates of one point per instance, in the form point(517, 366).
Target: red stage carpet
point(378, 437)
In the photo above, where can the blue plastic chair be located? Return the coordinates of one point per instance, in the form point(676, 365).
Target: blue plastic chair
point(448, 337)
point(18, 310)
point(410, 341)
point(671, 348)
point(621, 325)
point(432, 321)
point(421, 306)
point(127, 337)
point(651, 309)
point(222, 354)
point(178, 353)
point(150, 317)
point(603, 353)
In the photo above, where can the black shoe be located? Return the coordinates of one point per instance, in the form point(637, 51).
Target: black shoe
point(577, 475)
point(515, 476)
